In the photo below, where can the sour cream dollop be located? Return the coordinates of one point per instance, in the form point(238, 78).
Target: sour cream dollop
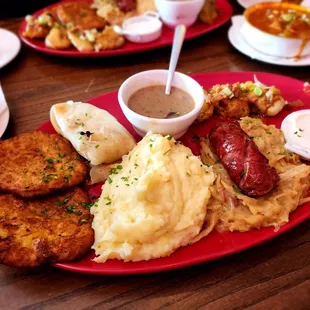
point(296, 130)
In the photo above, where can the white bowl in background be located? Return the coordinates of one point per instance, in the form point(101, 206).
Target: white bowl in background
point(270, 44)
point(174, 13)
point(175, 127)
point(140, 33)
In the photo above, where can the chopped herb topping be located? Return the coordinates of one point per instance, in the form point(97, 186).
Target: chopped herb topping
point(125, 179)
point(61, 155)
point(236, 188)
point(290, 153)
point(268, 132)
point(26, 187)
point(152, 140)
point(67, 177)
point(110, 180)
point(87, 205)
point(45, 178)
point(135, 179)
point(136, 165)
point(301, 130)
point(169, 137)
point(151, 145)
point(248, 121)
point(115, 170)
point(49, 160)
point(187, 157)
point(167, 151)
point(188, 174)
point(108, 199)
point(97, 146)
point(243, 172)
point(282, 153)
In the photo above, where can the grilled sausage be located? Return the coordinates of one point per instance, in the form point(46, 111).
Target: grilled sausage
point(245, 164)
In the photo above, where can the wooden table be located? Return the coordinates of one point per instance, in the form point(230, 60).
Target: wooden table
point(275, 275)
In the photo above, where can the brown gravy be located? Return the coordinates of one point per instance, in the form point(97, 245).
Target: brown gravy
point(152, 102)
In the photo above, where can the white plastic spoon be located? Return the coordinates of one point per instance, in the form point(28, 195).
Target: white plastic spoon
point(178, 39)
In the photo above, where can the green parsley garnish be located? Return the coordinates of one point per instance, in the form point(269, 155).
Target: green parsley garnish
point(61, 155)
point(108, 199)
point(257, 91)
point(67, 177)
point(268, 132)
point(244, 171)
point(87, 205)
point(110, 180)
point(167, 151)
point(45, 178)
point(236, 188)
point(97, 146)
point(169, 137)
point(136, 165)
point(49, 160)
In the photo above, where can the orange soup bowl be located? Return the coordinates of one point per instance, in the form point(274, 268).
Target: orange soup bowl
point(271, 43)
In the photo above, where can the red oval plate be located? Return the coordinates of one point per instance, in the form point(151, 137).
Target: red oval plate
point(217, 244)
point(224, 14)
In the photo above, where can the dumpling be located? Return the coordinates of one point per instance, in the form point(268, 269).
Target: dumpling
point(93, 132)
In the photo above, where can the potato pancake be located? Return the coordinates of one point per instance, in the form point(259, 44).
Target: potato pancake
point(79, 15)
point(45, 230)
point(38, 163)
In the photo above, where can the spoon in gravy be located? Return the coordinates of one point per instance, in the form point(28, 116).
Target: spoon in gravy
point(178, 39)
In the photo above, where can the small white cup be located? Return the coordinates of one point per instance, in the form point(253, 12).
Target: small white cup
point(174, 13)
point(145, 36)
point(175, 127)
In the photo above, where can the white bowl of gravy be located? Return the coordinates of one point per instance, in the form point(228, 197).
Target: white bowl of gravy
point(143, 101)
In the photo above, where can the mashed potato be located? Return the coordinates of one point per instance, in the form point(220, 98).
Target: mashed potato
point(152, 203)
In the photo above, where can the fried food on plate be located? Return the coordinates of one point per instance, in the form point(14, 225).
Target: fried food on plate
point(152, 203)
point(57, 38)
point(145, 5)
point(39, 27)
point(108, 39)
point(240, 99)
point(46, 230)
point(38, 163)
point(93, 132)
point(109, 10)
point(79, 40)
point(231, 210)
point(208, 13)
point(79, 14)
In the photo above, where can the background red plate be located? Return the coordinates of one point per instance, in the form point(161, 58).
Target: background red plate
point(217, 244)
point(224, 14)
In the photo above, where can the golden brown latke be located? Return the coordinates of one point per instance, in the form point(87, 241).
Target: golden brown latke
point(38, 163)
point(79, 15)
point(45, 230)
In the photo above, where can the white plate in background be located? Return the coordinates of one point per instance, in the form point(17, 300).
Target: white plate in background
point(9, 46)
point(238, 42)
point(4, 113)
point(247, 3)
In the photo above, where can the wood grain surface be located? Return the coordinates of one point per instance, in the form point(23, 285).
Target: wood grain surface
point(275, 275)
